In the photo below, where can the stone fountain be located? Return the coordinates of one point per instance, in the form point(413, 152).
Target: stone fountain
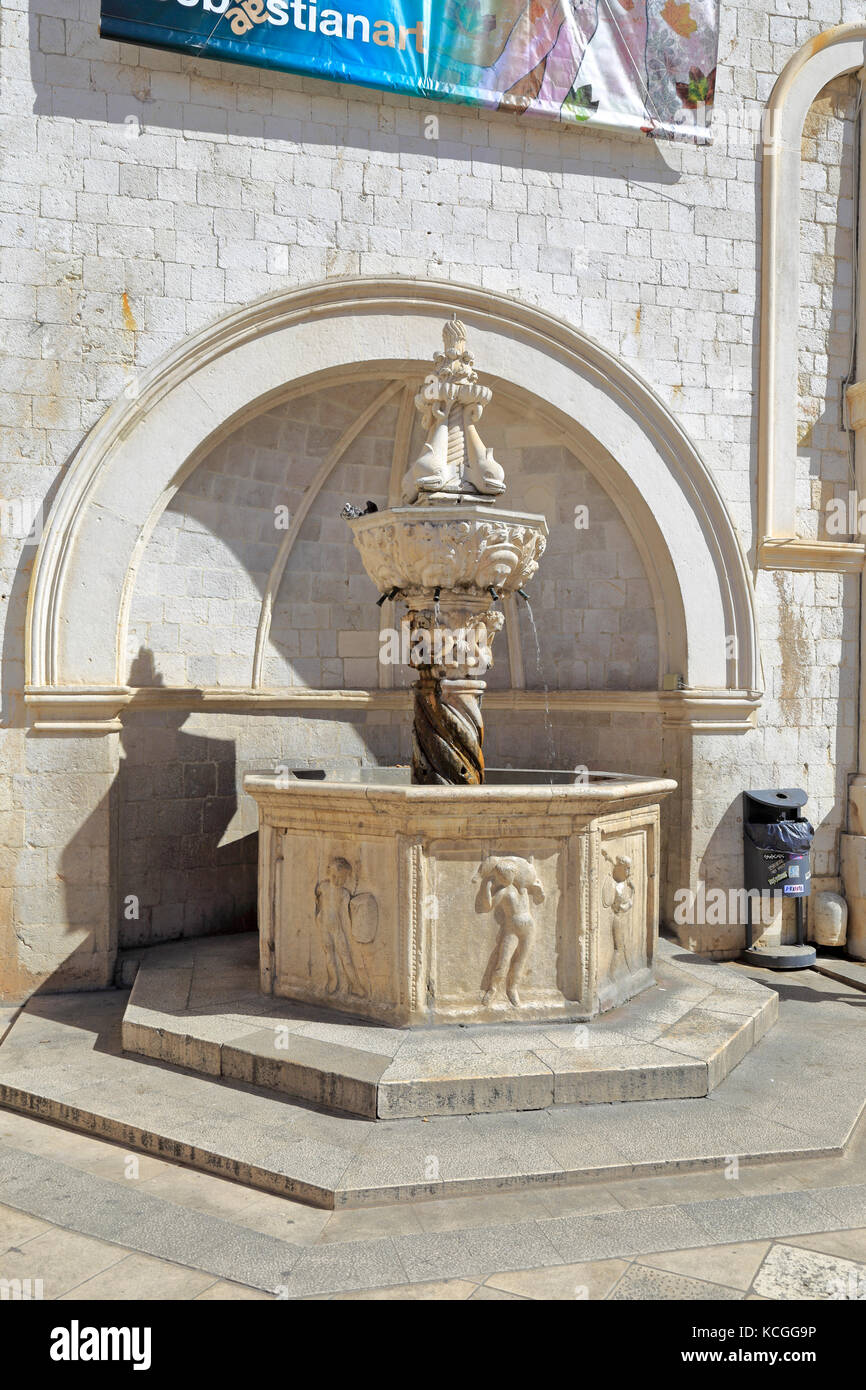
point(450, 555)
point(456, 896)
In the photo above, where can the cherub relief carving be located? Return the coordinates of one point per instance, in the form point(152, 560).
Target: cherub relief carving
point(344, 917)
point(508, 887)
point(618, 895)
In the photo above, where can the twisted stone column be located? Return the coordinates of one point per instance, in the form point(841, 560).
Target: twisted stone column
point(450, 650)
point(448, 731)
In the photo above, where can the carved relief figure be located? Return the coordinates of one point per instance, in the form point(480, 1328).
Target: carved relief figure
point(618, 895)
point(342, 917)
point(508, 888)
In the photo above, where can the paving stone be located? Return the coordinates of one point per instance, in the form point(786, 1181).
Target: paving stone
point(847, 1205)
point(369, 1037)
point(16, 1228)
point(139, 1277)
point(454, 1290)
point(343, 1265)
point(849, 1245)
point(790, 1272)
point(613, 1234)
point(708, 1185)
point(284, 1219)
point(478, 1251)
point(721, 1042)
point(493, 1295)
point(305, 1068)
point(732, 1265)
point(458, 1213)
point(655, 1284)
point(437, 1163)
point(756, 1218)
point(8, 1015)
point(518, 1038)
point(590, 1196)
point(849, 972)
point(640, 1137)
point(222, 1291)
point(790, 1068)
point(200, 1191)
point(107, 1212)
point(592, 1280)
point(512, 1241)
point(60, 1260)
point(454, 1084)
point(362, 1224)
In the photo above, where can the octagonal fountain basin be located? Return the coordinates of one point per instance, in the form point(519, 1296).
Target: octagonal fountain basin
point(532, 896)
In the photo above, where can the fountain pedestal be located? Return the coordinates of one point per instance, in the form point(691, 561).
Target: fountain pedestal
point(418, 905)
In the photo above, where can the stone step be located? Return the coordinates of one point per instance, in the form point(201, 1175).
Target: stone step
point(198, 1005)
point(798, 1094)
point(848, 972)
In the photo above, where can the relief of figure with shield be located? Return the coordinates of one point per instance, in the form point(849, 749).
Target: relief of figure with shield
point(347, 922)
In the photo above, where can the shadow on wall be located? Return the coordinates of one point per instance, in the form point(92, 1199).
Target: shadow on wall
point(119, 90)
point(172, 868)
point(175, 841)
point(178, 871)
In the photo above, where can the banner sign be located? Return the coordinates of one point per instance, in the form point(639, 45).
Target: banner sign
point(647, 65)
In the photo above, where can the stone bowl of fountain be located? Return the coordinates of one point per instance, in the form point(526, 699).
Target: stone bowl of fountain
point(449, 894)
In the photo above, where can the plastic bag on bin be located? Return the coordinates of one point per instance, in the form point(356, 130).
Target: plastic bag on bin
point(782, 836)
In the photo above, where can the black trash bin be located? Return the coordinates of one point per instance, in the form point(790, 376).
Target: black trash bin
point(777, 847)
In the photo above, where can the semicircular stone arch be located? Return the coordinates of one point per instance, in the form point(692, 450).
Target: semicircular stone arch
point(359, 341)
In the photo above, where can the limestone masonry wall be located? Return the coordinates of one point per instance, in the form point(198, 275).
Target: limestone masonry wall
point(144, 195)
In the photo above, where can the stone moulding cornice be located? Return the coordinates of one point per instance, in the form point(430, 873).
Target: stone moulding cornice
point(825, 57)
point(99, 710)
point(794, 553)
point(88, 710)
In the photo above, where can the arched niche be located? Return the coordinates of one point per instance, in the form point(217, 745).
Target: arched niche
point(817, 63)
point(140, 452)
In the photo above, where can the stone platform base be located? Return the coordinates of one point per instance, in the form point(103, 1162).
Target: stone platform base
point(798, 1094)
point(198, 1005)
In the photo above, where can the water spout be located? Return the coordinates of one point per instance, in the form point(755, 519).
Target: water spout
point(386, 598)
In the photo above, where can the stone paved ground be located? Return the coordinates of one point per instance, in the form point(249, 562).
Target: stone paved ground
point(94, 1221)
point(794, 1231)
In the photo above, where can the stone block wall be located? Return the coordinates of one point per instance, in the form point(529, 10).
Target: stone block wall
point(145, 195)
